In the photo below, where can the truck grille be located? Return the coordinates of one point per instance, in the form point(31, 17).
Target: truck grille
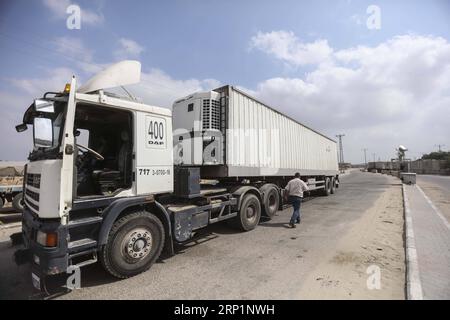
point(211, 114)
point(32, 195)
point(32, 205)
point(33, 180)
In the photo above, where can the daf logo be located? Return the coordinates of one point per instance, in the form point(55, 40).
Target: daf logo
point(36, 180)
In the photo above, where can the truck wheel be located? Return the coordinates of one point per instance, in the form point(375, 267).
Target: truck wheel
point(333, 185)
point(271, 202)
point(134, 243)
point(17, 202)
point(326, 191)
point(1, 203)
point(249, 214)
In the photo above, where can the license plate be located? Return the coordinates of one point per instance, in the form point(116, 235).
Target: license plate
point(36, 281)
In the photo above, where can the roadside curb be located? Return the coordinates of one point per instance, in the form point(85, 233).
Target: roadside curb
point(10, 225)
point(413, 283)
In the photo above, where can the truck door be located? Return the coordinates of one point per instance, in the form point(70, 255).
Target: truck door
point(154, 158)
point(68, 150)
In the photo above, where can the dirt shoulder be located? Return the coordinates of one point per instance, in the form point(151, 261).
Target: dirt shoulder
point(374, 241)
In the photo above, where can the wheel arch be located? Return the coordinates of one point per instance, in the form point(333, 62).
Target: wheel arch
point(240, 192)
point(125, 206)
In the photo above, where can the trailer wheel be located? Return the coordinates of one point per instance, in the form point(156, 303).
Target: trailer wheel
point(134, 243)
point(249, 214)
point(17, 202)
point(271, 202)
point(327, 188)
point(333, 185)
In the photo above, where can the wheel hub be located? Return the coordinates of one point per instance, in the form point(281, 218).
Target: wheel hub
point(138, 243)
point(272, 202)
point(250, 212)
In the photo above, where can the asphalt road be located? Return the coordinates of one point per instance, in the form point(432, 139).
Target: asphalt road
point(443, 182)
point(269, 262)
point(437, 188)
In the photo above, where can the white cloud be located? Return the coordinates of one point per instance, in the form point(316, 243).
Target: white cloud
point(73, 48)
point(287, 47)
point(128, 49)
point(397, 92)
point(50, 80)
point(158, 88)
point(59, 7)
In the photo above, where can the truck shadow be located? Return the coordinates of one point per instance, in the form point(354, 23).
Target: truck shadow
point(275, 225)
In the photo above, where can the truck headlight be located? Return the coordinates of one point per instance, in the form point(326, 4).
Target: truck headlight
point(47, 239)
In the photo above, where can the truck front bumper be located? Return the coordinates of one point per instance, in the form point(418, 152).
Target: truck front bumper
point(44, 260)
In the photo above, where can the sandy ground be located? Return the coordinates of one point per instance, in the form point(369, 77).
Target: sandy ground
point(374, 241)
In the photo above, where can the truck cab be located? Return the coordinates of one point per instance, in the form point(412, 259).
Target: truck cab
point(95, 155)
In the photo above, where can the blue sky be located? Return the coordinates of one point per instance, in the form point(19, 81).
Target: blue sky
point(195, 45)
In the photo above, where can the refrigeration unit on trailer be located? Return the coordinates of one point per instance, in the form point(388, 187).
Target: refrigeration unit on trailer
point(109, 179)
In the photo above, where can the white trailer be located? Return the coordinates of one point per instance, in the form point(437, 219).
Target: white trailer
point(104, 183)
point(247, 138)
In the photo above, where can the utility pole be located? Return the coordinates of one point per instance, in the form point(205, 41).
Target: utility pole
point(341, 149)
point(365, 156)
point(373, 154)
point(440, 147)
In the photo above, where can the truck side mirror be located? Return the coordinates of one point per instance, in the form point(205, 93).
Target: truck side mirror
point(21, 127)
point(43, 132)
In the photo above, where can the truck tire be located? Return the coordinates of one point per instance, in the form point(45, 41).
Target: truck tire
point(271, 202)
point(134, 243)
point(1, 203)
point(327, 189)
point(333, 185)
point(17, 202)
point(249, 214)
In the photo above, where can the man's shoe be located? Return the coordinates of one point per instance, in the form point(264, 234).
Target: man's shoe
point(292, 225)
point(298, 221)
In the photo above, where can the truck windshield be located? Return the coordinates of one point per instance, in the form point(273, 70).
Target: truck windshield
point(47, 130)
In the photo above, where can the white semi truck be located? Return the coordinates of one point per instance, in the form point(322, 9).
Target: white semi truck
point(115, 180)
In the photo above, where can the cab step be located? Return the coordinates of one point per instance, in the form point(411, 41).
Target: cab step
point(81, 245)
point(84, 221)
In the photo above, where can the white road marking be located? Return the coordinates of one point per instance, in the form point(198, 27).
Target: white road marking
point(436, 210)
point(414, 285)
